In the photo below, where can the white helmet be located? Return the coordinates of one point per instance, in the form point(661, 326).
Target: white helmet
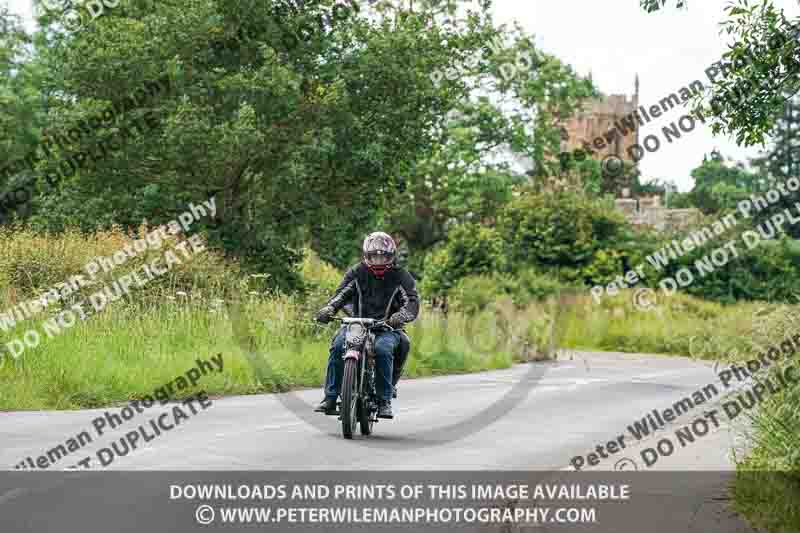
point(379, 252)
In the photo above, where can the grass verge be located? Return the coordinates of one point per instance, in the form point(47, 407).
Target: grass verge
point(129, 349)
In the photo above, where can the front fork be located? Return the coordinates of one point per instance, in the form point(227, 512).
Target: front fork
point(368, 370)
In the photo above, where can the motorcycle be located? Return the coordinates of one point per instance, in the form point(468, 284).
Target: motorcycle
point(359, 397)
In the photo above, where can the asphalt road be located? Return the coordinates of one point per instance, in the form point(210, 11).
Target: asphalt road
point(573, 404)
point(548, 413)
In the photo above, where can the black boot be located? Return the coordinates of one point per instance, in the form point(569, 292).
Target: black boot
point(327, 406)
point(385, 410)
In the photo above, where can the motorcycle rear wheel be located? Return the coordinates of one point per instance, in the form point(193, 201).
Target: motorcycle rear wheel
point(349, 397)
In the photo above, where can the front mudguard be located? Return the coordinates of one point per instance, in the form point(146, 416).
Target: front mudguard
point(352, 354)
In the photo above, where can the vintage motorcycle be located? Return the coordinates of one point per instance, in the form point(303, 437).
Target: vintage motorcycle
point(359, 397)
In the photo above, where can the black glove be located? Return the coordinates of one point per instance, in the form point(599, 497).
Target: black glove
point(325, 314)
point(396, 321)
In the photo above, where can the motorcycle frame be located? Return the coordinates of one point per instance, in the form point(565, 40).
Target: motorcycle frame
point(365, 355)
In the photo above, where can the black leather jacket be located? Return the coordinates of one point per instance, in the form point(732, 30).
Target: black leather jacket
point(371, 297)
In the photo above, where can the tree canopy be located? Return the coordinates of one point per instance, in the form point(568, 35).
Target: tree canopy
point(756, 75)
point(308, 127)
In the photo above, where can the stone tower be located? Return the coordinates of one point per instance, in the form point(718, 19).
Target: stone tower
point(596, 124)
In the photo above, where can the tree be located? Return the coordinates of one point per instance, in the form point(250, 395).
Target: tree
point(753, 79)
point(563, 232)
point(679, 200)
point(299, 127)
point(719, 186)
point(465, 178)
point(20, 99)
point(782, 161)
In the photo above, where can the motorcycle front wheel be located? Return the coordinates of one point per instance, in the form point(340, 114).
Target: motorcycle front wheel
point(349, 398)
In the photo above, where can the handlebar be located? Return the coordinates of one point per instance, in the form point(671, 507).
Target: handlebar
point(362, 321)
point(369, 323)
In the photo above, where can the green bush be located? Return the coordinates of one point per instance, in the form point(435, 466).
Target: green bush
point(604, 267)
point(529, 285)
point(543, 242)
point(475, 293)
point(768, 272)
point(582, 241)
point(557, 230)
point(470, 249)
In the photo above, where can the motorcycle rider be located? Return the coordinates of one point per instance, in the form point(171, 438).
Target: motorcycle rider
point(377, 288)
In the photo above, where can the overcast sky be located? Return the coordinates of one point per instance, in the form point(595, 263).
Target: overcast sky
point(615, 40)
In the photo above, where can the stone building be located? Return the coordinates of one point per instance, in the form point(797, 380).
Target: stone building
point(648, 211)
point(607, 127)
point(599, 125)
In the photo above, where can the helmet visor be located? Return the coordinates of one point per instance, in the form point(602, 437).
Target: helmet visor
point(379, 258)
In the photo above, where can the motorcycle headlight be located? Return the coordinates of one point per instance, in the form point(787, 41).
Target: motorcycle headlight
point(355, 330)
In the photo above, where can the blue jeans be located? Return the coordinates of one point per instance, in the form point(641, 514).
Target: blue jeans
point(386, 343)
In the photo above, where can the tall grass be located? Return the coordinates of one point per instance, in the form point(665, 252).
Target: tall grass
point(32, 263)
point(205, 307)
point(679, 324)
point(128, 350)
point(767, 488)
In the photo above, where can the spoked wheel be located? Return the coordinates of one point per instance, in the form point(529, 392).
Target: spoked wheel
point(365, 419)
point(349, 398)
